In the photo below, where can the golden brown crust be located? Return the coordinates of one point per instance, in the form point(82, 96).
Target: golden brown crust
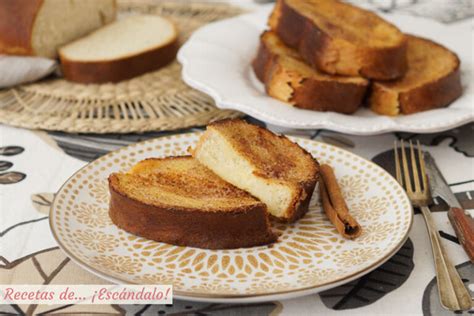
point(300, 203)
point(240, 221)
point(119, 69)
point(439, 91)
point(337, 55)
point(263, 62)
point(246, 227)
point(329, 96)
point(311, 92)
point(279, 167)
point(17, 18)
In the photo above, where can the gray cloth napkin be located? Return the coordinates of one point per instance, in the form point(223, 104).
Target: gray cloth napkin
point(16, 70)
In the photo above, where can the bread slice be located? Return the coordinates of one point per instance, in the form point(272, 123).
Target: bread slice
point(272, 168)
point(178, 201)
point(120, 50)
point(289, 79)
point(339, 38)
point(40, 27)
point(433, 80)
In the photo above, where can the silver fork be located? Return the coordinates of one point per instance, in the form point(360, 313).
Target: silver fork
point(452, 291)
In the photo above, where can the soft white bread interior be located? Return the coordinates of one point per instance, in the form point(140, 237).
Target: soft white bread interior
point(124, 38)
point(270, 167)
point(58, 22)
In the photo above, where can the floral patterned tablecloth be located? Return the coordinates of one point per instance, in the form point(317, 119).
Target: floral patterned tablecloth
point(34, 164)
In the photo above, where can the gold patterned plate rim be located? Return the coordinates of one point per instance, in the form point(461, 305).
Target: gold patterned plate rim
point(217, 295)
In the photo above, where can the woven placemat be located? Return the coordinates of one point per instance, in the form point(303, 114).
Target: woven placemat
point(156, 101)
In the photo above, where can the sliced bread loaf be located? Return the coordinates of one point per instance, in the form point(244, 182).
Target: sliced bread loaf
point(339, 38)
point(179, 201)
point(433, 80)
point(289, 79)
point(120, 50)
point(270, 167)
point(40, 27)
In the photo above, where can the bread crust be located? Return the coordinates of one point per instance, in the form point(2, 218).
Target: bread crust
point(241, 227)
point(119, 69)
point(302, 91)
point(303, 190)
point(336, 55)
point(17, 18)
point(17, 26)
point(300, 204)
point(438, 92)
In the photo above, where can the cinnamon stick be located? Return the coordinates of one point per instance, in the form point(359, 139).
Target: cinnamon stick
point(335, 206)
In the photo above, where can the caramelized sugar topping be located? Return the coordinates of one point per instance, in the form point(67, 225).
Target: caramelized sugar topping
point(426, 61)
point(274, 156)
point(341, 20)
point(181, 182)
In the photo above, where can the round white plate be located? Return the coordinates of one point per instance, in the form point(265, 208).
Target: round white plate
point(309, 257)
point(216, 60)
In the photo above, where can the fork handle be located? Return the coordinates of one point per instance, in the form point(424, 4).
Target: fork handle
point(464, 227)
point(452, 291)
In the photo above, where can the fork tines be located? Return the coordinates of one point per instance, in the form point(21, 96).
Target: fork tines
point(411, 173)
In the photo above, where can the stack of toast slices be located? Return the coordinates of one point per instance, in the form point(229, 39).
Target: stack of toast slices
point(288, 78)
point(326, 55)
point(223, 196)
